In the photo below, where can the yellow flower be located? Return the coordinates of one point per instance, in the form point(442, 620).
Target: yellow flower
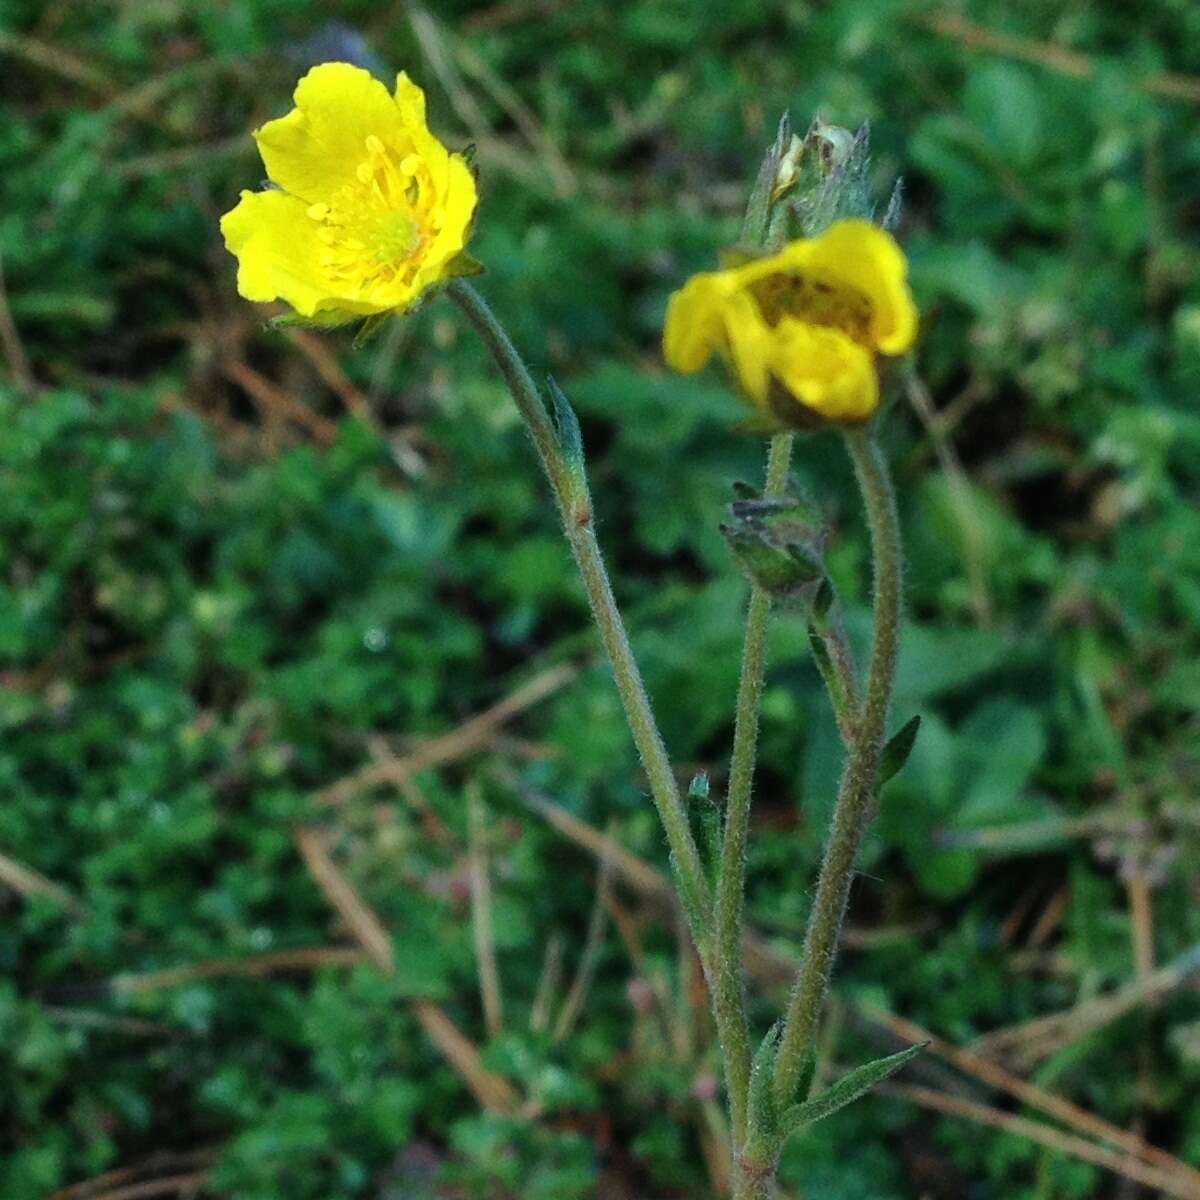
point(803, 326)
point(369, 208)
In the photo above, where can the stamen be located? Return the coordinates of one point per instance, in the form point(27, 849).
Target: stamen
point(375, 230)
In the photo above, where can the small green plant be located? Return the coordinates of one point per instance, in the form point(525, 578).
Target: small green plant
point(373, 213)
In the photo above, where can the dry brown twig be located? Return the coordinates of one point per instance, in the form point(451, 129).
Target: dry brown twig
point(184, 1186)
point(1032, 1041)
point(481, 915)
point(1044, 1135)
point(28, 882)
point(101, 1187)
point(492, 1091)
point(399, 441)
point(307, 958)
point(1141, 1161)
point(960, 496)
point(11, 344)
point(994, 1075)
point(276, 403)
point(1165, 84)
point(548, 982)
point(473, 734)
point(586, 970)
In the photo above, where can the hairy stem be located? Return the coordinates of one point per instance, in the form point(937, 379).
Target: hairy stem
point(574, 504)
point(729, 1002)
point(856, 795)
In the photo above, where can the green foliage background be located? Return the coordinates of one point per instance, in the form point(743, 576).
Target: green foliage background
point(209, 610)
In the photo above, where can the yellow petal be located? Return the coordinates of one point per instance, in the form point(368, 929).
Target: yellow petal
point(861, 256)
point(318, 146)
point(695, 325)
point(279, 254)
point(410, 104)
point(748, 339)
point(457, 215)
point(825, 370)
point(708, 314)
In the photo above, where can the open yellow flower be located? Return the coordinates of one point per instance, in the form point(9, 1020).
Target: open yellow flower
point(801, 328)
point(369, 208)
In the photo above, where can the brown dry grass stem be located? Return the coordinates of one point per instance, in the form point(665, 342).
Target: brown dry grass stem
point(308, 958)
point(276, 404)
point(1130, 1168)
point(586, 970)
point(492, 1091)
point(162, 1168)
point(769, 967)
point(1032, 1041)
point(481, 914)
point(13, 347)
point(994, 1075)
point(472, 735)
point(548, 983)
point(28, 882)
point(1167, 85)
point(960, 496)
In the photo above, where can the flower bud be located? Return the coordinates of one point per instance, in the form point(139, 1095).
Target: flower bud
point(779, 544)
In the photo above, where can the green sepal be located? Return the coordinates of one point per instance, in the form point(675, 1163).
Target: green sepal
point(329, 318)
point(845, 1091)
point(899, 747)
point(823, 599)
point(369, 328)
point(758, 206)
point(566, 423)
point(463, 266)
point(729, 258)
point(772, 568)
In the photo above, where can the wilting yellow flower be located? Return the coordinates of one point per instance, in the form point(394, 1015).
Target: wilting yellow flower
point(369, 208)
point(803, 326)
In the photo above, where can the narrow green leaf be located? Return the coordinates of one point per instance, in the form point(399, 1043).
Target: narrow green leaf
point(845, 1091)
point(570, 437)
point(758, 207)
point(710, 841)
point(899, 747)
point(817, 640)
point(760, 1115)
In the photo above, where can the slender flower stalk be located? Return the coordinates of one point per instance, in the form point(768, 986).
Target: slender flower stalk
point(729, 1003)
point(859, 786)
point(574, 504)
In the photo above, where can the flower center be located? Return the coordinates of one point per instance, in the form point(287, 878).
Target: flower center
point(375, 229)
point(815, 300)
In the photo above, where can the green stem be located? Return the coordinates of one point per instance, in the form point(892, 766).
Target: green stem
point(856, 795)
point(753, 1186)
point(729, 1002)
point(574, 505)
